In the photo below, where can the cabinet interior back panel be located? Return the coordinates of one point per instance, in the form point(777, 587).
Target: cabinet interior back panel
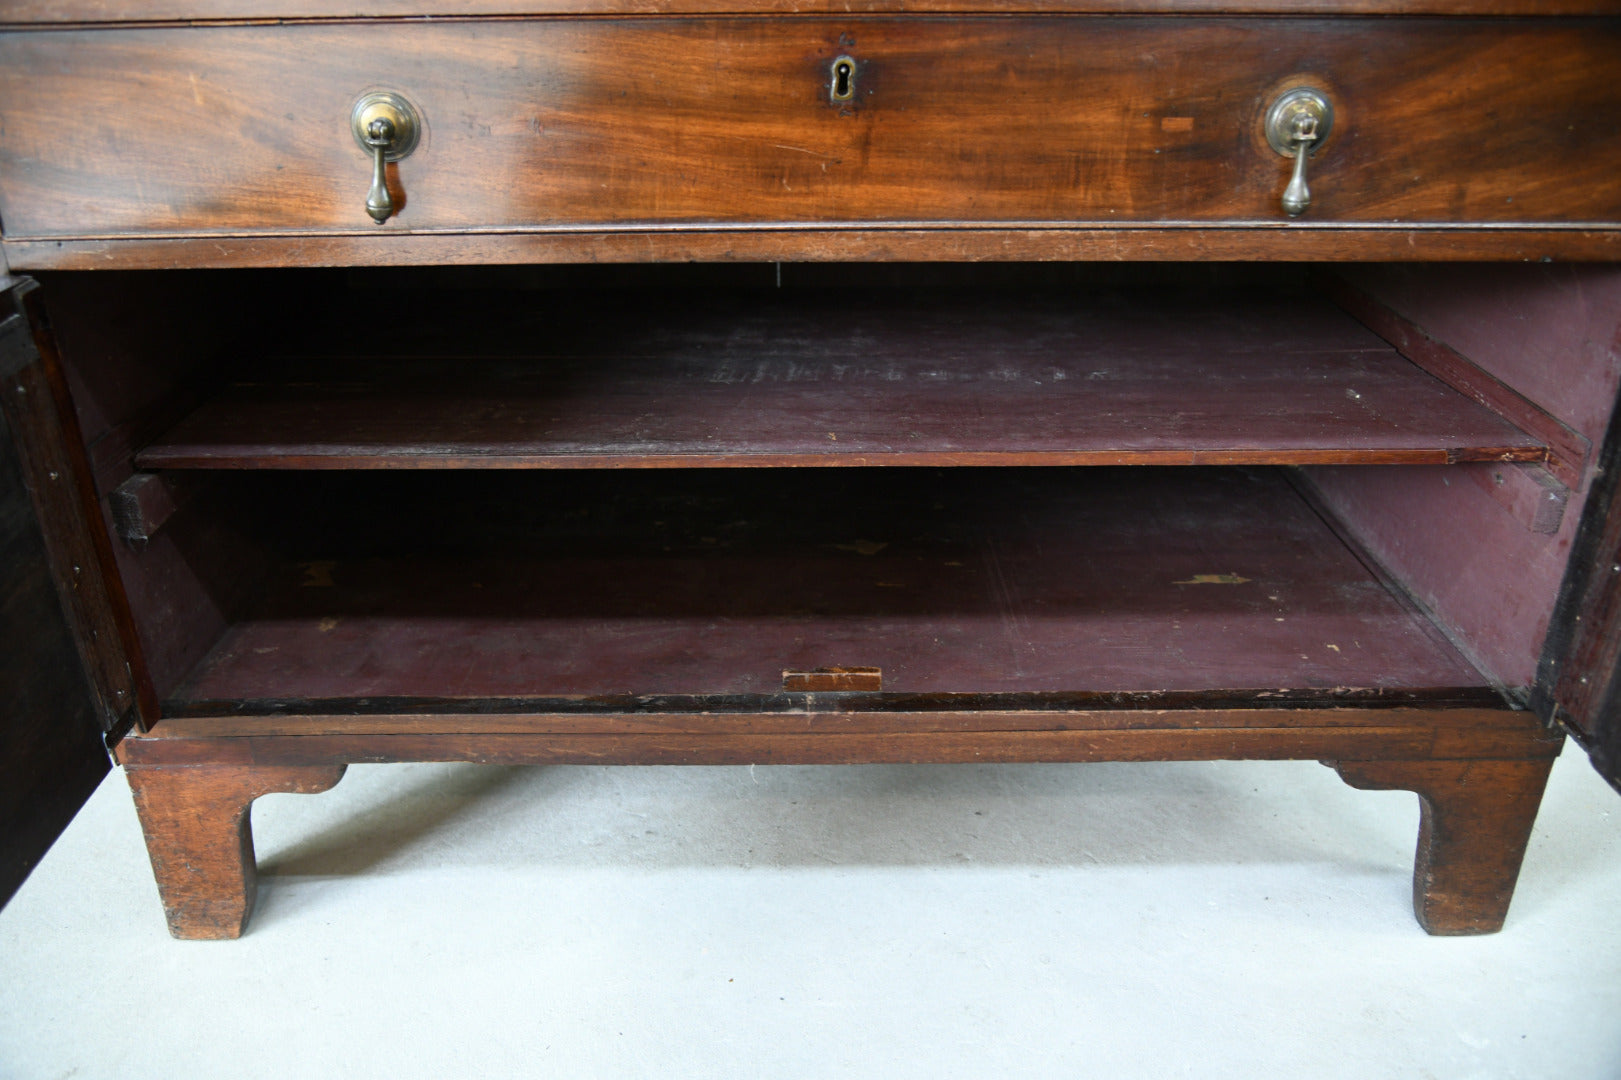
point(576, 586)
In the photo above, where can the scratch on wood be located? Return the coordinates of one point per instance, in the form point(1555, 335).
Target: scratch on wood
point(802, 150)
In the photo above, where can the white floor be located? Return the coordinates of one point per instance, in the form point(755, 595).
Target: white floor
point(1152, 920)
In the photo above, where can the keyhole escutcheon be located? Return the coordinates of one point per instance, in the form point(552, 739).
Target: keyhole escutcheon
point(842, 87)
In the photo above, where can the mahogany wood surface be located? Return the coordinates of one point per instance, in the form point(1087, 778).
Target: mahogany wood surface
point(49, 723)
point(569, 585)
point(56, 471)
point(1578, 679)
point(1463, 726)
point(1096, 725)
point(840, 379)
point(1015, 616)
point(24, 12)
point(1475, 821)
point(821, 738)
point(583, 124)
point(200, 837)
point(964, 242)
point(193, 794)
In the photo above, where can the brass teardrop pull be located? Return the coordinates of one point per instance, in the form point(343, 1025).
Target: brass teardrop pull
point(380, 137)
point(1296, 125)
point(1302, 134)
point(387, 127)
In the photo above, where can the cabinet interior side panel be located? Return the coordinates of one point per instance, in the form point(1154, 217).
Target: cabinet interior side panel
point(137, 350)
point(1550, 332)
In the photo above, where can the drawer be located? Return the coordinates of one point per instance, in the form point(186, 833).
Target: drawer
point(558, 124)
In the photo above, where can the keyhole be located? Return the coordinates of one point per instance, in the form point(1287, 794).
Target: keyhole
point(844, 79)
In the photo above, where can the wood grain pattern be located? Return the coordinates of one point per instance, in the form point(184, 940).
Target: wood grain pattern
point(825, 734)
point(629, 639)
point(193, 793)
point(1449, 729)
point(48, 724)
point(56, 470)
point(200, 837)
point(1474, 825)
point(586, 124)
point(25, 12)
point(839, 380)
point(1275, 243)
point(883, 747)
point(567, 585)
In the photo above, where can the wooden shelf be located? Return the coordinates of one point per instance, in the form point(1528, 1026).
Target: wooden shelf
point(698, 590)
point(840, 379)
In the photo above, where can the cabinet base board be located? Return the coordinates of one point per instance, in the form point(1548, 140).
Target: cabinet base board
point(848, 738)
point(1479, 774)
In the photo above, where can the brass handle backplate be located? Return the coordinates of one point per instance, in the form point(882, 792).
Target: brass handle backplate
point(388, 128)
point(1296, 126)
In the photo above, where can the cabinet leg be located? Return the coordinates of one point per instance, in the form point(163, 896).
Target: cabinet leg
point(1475, 820)
point(200, 839)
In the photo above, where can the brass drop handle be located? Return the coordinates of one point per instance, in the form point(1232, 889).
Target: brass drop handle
point(380, 136)
point(1296, 197)
point(387, 127)
point(1296, 125)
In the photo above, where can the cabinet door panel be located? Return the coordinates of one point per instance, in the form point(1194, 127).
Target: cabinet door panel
point(54, 756)
point(1579, 678)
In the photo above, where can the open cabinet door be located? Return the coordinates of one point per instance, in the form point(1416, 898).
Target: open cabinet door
point(1579, 679)
point(54, 716)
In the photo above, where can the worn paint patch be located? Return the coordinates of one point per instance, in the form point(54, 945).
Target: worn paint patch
point(1213, 579)
point(833, 679)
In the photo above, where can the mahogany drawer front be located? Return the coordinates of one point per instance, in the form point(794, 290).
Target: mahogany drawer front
point(567, 123)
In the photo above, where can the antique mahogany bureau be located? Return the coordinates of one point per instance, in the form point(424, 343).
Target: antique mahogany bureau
point(734, 381)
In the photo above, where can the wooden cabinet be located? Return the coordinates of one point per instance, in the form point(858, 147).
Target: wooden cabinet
point(913, 412)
